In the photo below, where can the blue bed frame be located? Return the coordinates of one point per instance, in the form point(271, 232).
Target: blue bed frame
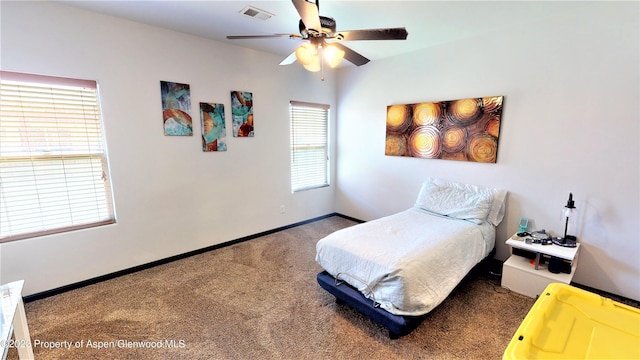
point(344, 293)
point(398, 325)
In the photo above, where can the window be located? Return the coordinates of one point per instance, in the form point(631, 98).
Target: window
point(53, 164)
point(309, 145)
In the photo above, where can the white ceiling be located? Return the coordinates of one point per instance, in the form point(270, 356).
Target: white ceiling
point(428, 23)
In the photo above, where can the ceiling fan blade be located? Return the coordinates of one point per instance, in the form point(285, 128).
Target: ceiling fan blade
point(236, 37)
point(289, 59)
point(309, 14)
point(375, 34)
point(351, 55)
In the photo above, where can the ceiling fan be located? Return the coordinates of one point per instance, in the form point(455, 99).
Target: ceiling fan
point(324, 40)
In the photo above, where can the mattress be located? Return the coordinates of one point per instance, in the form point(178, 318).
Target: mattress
point(408, 262)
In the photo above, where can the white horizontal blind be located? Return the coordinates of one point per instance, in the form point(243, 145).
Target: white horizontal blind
point(53, 166)
point(309, 145)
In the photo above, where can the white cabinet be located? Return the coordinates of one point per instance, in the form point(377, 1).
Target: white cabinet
point(519, 274)
point(13, 321)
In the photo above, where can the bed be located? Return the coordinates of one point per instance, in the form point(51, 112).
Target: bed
point(398, 268)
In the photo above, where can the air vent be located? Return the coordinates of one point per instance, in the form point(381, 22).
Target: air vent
point(256, 13)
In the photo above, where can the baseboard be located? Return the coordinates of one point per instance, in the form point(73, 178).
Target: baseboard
point(618, 298)
point(113, 275)
point(80, 284)
point(348, 218)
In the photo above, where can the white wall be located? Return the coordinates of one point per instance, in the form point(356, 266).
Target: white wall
point(570, 124)
point(170, 197)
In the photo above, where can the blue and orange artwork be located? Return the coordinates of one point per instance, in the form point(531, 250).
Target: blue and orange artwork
point(176, 109)
point(214, 132)
point(242, 113)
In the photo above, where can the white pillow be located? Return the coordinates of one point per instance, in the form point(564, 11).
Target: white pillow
point(455, 202)
point(462, 201)
point(497, 207)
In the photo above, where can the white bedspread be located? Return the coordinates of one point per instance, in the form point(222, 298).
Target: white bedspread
point(408, 262)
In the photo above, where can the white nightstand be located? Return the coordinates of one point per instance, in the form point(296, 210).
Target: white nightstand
point(523, 277)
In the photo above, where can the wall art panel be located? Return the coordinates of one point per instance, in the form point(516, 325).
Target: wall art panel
point(214, 131)
point(176, 108)
point(242, 113)
point(466, 129)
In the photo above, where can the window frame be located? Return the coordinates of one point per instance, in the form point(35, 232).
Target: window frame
point(296, 109)
point(78, 166)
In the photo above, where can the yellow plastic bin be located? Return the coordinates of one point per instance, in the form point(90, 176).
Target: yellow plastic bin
point(570, 323)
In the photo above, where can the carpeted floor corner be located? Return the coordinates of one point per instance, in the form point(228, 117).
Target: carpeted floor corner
point(260, 300)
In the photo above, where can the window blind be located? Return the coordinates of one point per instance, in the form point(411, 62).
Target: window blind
point(53, 163)
point(309, 145)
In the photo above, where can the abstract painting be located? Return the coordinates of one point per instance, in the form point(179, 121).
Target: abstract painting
point(242, 113)
point(176, 109)
point(465, 129)
point(214, 131)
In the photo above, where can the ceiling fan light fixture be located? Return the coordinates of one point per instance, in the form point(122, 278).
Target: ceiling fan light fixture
point(333, 55)
point(306, 54)
point(317, 30)
point(314, 66)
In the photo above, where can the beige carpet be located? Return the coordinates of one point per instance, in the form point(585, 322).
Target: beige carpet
point(260, 300)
